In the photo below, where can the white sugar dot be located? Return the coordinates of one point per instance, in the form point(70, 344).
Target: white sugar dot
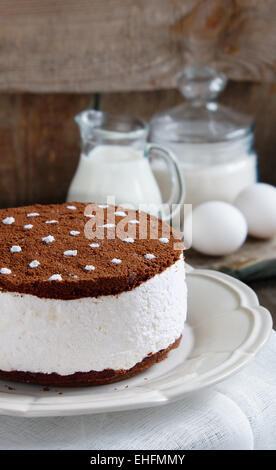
point(55, 277)
point(5, 271)
point(34, 263)
point(71, 208)
point(8, 221)
point(51, 222)
point(28, 227)
point(134, 222)
point(116, 261)
point(108, 225)
point(90, 215)
point(94, 245)
point(149, 256)
point(103, 206)
point(128, 240)
point(48, 239)
point(120, 213)
point(70, 253)
point(164, 240)
point(15, 249)
point(89, 267)
point(33, 214)
point(74, 233)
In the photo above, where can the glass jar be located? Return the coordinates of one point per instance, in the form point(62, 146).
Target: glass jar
point(213, 143)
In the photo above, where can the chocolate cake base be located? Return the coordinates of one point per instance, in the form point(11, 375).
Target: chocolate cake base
point(85, 379)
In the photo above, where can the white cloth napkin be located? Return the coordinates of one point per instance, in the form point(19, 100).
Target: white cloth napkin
point(239, 413)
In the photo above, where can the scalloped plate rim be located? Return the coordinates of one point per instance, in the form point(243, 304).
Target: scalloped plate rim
point(147, 395)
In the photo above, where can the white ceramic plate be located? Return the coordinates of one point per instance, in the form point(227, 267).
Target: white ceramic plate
point(226, 327)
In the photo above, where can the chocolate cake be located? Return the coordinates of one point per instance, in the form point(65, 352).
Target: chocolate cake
point(89, 293)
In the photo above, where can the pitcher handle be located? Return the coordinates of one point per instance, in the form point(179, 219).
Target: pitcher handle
point(175, 176)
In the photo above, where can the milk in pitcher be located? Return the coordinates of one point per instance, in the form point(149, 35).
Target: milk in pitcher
point(115, 170)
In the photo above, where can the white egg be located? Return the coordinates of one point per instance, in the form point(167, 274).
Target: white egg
point(218, 228)
point(258, 205)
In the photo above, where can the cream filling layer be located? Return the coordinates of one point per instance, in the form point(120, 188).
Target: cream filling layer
point(108, 332)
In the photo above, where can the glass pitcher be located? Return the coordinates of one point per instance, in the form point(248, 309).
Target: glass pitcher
point(116, 161)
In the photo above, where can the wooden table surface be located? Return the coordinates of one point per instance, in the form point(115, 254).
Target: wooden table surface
point(266, 291)
point(244, 265)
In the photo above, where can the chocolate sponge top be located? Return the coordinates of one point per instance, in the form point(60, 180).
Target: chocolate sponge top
point(73, 250)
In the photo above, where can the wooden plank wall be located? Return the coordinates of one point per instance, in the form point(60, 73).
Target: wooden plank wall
point(55, 55)
point(120, 45)
point(39, 141)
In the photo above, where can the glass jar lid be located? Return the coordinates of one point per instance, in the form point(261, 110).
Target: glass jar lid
point(200, 118)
